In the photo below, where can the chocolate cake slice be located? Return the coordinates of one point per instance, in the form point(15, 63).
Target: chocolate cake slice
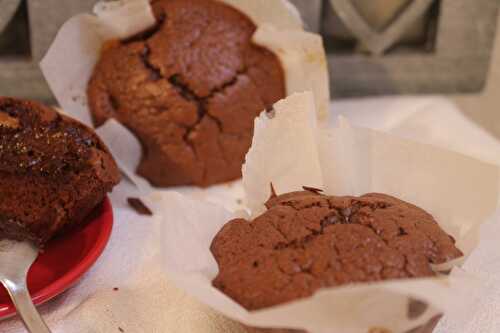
point(53, 171)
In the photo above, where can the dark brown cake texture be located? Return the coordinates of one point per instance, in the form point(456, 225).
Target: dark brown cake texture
point(53, 171)
point(189, 89)
point(306, 241)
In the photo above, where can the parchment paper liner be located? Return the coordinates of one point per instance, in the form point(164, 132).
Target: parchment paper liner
point(291, 150)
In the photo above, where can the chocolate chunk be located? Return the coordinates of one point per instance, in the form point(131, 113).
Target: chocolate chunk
point(139, 206)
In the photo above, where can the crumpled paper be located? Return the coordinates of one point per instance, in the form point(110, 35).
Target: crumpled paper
point(459, 191)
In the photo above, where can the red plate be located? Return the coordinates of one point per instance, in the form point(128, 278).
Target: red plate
point(65, 259)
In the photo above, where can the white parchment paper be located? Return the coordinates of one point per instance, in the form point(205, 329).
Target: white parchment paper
point(290, 149)
point(287, 146)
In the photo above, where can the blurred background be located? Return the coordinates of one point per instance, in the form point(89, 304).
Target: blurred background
point(374, 47)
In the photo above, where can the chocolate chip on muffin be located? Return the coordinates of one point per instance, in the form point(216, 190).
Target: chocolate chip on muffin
point(53, 171)
point(306, 241)
point(189, 89)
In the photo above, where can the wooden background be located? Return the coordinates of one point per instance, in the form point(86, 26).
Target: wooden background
point(458, 64)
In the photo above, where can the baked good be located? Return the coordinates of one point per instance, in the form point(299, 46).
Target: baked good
point(53, 171)
point(305, 241)
point(189, 89)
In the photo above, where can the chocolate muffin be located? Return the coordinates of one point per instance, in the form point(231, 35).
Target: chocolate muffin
point(189, 88)
point(53, 171)
point(306, 241)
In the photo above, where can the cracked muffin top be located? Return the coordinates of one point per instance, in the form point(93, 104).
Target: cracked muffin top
point(53, 171)
point(306, 241)
point(189, 88)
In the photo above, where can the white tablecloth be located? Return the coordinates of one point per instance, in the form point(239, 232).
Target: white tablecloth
point(146, 302)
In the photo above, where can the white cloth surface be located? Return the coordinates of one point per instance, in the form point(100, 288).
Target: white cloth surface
point(146, 302)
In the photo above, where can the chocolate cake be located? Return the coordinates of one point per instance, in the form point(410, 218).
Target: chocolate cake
point(189, 89)
point(306, 241)
point(53, 171)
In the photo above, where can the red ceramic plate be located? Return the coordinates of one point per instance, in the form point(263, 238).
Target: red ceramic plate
point(65, 259)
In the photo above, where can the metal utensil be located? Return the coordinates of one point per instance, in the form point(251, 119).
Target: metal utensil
point(15, 260)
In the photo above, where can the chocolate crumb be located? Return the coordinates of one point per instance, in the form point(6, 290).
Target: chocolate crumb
point(139, 206)
point(271, 113)
point(121, 329)
point(312, 189)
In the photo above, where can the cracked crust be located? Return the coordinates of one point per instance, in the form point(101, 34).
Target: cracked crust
point(306, 241)
point(189, 88)
point(53, 171)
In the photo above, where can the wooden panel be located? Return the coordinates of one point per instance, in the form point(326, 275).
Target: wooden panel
point(310, 11)
point(47, 16)
point(459, 63)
